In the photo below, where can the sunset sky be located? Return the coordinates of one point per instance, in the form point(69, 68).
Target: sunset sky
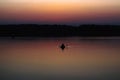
point(60, 11)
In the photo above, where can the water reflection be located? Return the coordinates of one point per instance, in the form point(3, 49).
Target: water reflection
point(42, 59)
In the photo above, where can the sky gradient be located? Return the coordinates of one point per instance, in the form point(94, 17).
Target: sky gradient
point(60, 11)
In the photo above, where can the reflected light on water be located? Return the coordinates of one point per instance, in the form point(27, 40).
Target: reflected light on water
point(43, 57)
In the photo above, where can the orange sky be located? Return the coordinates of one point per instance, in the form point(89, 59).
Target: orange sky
point(59, 11)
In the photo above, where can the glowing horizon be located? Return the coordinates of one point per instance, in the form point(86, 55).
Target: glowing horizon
point(60, 11)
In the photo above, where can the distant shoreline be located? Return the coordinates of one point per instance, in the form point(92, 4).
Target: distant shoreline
point(32, 30)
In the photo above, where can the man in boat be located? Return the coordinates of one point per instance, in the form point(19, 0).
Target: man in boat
point(62, 46)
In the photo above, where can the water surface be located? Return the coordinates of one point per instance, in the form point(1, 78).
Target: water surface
point(42, 59)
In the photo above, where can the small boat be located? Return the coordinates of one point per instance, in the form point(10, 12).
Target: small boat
point(62, 46)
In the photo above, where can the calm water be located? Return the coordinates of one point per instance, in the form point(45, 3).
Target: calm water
point(42, 59)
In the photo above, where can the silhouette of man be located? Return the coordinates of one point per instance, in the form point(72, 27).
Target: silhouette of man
point(62, 46)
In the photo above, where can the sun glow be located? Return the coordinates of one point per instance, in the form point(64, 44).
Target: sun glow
point(57, 10)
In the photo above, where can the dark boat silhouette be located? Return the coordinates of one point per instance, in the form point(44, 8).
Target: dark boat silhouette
point(62, 46)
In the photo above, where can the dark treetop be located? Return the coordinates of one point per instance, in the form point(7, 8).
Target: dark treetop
point(33, 30)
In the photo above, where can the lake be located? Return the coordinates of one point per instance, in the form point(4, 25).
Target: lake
point(43, 59)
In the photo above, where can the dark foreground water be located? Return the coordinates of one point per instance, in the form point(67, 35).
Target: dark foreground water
point(42, 59)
